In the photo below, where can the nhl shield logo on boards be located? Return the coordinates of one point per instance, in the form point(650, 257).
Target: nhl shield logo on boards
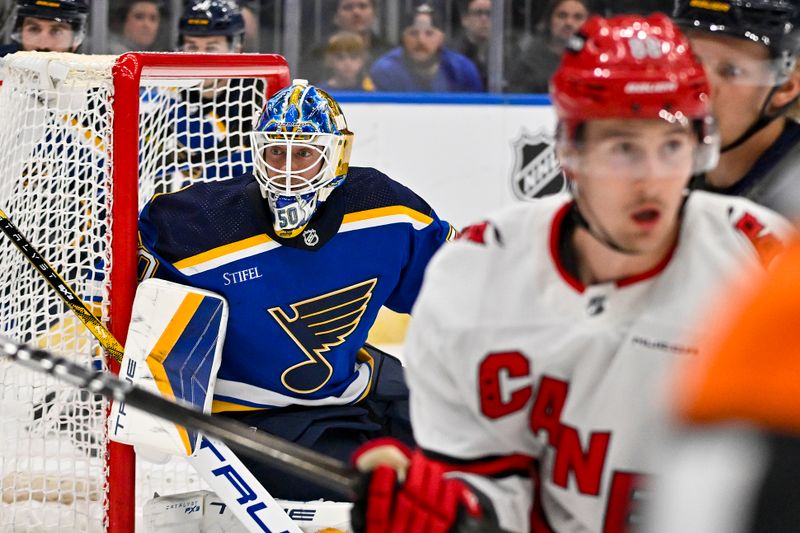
point(310, 237)
point(536, 170)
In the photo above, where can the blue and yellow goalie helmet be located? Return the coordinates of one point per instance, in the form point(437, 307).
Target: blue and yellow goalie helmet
point(302, 153)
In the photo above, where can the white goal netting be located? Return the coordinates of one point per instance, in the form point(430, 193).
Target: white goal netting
point(74, 150)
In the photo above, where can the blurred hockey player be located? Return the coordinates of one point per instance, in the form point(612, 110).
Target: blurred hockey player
point(749, 50)
point(541, 337)
point(733, 466)
point(211, 27)
point(306, 251)
point(52, 26)
point(211, 118)
point(211, 121)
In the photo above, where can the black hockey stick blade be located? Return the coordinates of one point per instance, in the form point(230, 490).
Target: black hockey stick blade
point(62, 288)
point(278, 452)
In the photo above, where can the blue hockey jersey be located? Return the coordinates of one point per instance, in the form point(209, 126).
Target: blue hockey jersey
point(300, 308)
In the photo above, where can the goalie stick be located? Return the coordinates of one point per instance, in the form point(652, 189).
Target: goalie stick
point(278, 452)
point(64, 291)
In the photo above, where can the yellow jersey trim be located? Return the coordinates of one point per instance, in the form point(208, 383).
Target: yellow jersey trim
point(221, 251)
point(380, 212)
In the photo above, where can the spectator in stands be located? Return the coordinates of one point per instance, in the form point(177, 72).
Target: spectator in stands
point(476, 27)
point(139, 21)
point(357, 16)
point(250, 17)
point(56, 26)
point(423, 63)
point(542, 54)
point(346, 62)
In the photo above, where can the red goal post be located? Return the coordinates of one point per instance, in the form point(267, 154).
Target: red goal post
point(86, 140)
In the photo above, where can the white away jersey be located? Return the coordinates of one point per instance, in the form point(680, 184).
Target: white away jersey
point(517, 371)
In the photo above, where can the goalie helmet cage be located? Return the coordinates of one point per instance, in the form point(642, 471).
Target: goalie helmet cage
point(86, 140)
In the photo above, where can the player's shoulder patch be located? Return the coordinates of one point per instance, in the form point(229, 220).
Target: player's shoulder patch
point(764, 240)
point(483, 233)
point(765, 230)
point(510, 226)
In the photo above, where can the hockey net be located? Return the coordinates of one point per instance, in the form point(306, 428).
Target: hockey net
point(86, 140)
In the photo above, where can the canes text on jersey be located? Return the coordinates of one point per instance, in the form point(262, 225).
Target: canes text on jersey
point(241, 275)
point(500, 398)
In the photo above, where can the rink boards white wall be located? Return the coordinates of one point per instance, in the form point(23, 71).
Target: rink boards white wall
point(457, 152)
point(463, 154)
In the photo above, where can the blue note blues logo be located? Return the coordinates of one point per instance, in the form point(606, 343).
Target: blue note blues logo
point(318, 324)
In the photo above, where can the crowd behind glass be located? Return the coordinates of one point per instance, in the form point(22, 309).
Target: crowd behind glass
point(377, 45)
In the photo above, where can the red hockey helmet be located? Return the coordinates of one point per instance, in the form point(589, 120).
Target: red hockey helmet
point(633, 67)
point(629, 67)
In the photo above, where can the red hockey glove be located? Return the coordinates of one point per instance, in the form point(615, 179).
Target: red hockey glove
point(405, 492)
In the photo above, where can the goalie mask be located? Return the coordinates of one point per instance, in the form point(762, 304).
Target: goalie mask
point(302, 152)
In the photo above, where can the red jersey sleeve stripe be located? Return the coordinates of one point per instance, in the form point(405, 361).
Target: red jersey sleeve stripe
point(497, 466)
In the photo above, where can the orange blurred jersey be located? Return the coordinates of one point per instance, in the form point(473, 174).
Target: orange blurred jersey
point(753, 372)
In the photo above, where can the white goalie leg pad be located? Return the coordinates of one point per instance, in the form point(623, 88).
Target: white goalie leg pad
point(316, 516)
point(173, 349)
point(204, 512)
point(177, 513)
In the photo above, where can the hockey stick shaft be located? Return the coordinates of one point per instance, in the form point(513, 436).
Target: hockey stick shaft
point(61, 288)
point(281, 453)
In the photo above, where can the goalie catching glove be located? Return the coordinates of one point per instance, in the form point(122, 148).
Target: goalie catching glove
point(406, 492)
